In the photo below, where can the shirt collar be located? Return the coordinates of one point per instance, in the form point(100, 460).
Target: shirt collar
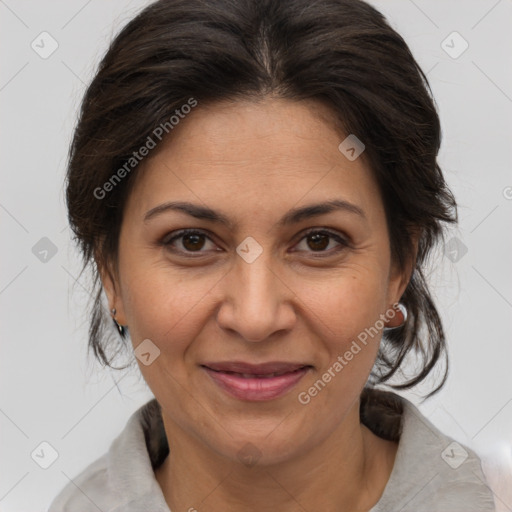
point(142, 446)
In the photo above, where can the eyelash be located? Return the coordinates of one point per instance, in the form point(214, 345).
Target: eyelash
point(167, 242)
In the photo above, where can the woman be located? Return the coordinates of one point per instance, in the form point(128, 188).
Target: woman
point(255, 186)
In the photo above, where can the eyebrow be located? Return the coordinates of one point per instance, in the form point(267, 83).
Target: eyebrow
point(294, 216)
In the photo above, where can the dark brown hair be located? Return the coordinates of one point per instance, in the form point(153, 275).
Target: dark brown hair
point(340, 52)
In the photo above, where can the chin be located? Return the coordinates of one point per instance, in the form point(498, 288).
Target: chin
point(264, 442)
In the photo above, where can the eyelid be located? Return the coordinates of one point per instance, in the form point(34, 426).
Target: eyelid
point(173, 235)
point(328, 231)
point(341, 239)
point(176, 235)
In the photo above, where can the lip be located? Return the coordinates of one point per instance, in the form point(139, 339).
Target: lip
point(256, 382)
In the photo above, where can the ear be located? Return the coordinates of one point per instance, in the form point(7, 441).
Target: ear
point(399, 278)
point(110, 282)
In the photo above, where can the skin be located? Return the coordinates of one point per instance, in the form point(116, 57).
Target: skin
point(254, 161)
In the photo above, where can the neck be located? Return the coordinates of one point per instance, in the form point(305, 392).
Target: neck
point(347, 472)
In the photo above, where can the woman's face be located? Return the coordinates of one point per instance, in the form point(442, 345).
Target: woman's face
point(254, 285)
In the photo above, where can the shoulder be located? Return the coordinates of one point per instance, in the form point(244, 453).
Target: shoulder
point(123, 478)
point(433, 472)
point(86, 492)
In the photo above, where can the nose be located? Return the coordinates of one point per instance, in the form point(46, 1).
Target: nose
point(257, 302)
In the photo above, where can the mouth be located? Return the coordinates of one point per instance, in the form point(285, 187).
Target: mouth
point(259, 382)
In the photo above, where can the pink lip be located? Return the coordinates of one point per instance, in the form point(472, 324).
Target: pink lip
point(233, 377)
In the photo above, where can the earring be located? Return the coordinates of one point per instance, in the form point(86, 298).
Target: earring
point(401, 310)
point(120, 328)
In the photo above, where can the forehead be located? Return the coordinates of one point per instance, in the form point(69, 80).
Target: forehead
point(267, 129)
point(275, 152)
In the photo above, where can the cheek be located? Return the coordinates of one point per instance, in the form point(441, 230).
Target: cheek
point(346, 311)
point(169, 311)
point(345, 304)
point(157, 304)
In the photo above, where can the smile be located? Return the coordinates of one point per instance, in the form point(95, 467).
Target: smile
point(256, 382)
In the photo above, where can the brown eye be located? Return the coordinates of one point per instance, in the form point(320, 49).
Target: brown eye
point(187, 241)
point(193, 242)
point(318, 241)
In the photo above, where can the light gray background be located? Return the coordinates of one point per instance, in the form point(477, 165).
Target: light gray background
point(51, 392)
